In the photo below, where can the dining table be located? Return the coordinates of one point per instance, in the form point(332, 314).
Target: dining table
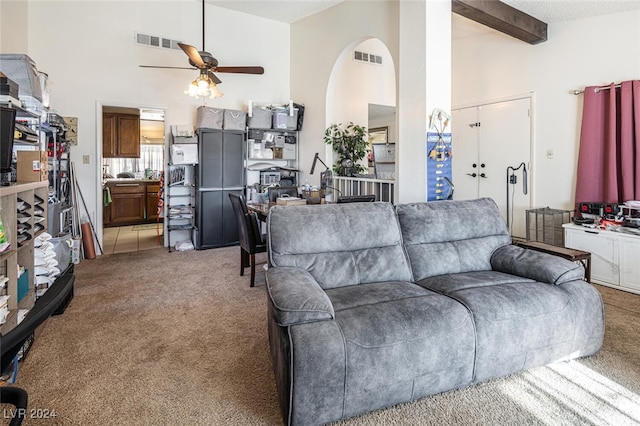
point(260, 209)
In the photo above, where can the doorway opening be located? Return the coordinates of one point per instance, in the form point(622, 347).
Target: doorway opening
point(131, 156)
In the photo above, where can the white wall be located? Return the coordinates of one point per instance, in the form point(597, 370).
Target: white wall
point(356, 84)
point(87, 49)
point(316, 44)
point(14, 37)
point(578, 53)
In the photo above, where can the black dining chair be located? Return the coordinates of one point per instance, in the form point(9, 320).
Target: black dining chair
point(249, 235)
point(12, 341)
point(279, 191)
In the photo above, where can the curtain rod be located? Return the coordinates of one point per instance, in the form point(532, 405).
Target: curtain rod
point(597, 89)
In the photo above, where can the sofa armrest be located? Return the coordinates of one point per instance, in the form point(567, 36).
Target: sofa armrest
point(542, 267)
point(296, 296)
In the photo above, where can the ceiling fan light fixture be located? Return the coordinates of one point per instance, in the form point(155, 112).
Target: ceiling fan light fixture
point(204, 87)
point(215, 92)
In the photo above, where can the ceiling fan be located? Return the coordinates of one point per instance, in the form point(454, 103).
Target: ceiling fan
point(205, 84)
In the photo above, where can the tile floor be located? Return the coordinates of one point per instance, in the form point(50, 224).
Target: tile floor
point(126, 239)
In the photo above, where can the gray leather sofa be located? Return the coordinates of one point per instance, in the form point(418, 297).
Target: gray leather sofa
point(371, 305)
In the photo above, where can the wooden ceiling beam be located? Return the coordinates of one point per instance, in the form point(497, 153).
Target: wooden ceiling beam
point(502, 17)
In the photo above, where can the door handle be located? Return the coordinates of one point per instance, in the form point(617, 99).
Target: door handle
point(482, 175)
point(472, 174)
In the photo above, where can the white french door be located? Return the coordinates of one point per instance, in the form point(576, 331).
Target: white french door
point(487, 140)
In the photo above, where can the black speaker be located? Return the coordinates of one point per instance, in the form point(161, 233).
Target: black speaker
point(599, 209)
point(591, 208)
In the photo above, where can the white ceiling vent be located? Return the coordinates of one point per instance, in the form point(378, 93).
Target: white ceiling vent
point(156, 41)
point(367, 57)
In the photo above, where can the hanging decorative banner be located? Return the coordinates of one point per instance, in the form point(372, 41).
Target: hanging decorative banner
point(439, 166)
point(439, 180)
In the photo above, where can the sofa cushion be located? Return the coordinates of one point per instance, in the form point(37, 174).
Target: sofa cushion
point(450, 283)
point(387, 327)
point(296, 297)
point(451, 236)
point(522, 323)
point(517, 323)
point(339, 244)
point(536, 265)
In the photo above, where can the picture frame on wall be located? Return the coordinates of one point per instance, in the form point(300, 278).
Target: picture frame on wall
point(377, 135)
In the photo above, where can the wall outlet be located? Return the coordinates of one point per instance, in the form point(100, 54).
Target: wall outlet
point(550, 154)
point(86, 159)
point(513, 179)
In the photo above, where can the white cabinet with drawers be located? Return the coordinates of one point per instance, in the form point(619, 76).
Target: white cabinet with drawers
point(615, 256)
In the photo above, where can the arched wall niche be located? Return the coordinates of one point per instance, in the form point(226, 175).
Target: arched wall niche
point(362, 91)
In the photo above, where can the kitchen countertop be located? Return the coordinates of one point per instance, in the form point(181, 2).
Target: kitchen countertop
point(131, 180)
point(106, 182)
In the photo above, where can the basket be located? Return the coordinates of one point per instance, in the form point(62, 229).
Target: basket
point(260, 118)
point(545, 225)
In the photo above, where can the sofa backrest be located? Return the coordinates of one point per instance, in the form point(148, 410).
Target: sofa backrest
point(449, 237)
point(339, 244)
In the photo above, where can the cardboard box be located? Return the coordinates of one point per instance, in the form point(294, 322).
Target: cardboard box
point(290, 201)
point(32, 166)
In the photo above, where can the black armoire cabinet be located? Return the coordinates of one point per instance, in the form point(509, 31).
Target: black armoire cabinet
point(220, 170)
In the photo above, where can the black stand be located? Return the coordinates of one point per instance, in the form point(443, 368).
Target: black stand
point(325, 177)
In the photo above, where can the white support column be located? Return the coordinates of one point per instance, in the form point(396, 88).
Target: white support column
point(424, 83)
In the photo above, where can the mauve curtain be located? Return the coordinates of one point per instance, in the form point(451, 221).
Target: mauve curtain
point(609, 158)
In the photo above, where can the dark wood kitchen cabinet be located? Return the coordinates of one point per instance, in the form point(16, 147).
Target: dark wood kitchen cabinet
point(152, 202)
point(120, 135)
point(128, 202)
point(132, 202)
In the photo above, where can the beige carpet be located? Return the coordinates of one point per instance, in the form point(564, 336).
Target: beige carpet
point(157, 338)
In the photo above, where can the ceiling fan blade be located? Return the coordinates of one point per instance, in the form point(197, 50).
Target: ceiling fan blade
point(241, 70)
point(193, 55)
point(174, 68)
point(213, 77)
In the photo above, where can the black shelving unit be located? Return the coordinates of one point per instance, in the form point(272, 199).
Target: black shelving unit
point(59, 162)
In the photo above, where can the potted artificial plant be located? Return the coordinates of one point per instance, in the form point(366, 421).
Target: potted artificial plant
point(350, 142)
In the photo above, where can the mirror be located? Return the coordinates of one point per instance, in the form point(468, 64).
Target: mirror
point(382, 129)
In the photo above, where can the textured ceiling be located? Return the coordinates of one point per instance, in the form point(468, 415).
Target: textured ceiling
point(548, 11)
point(280, 10)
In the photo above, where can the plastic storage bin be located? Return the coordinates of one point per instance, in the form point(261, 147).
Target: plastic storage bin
point(260, 118)
point(283, 120)
point(545, 225)
point(22, 70)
